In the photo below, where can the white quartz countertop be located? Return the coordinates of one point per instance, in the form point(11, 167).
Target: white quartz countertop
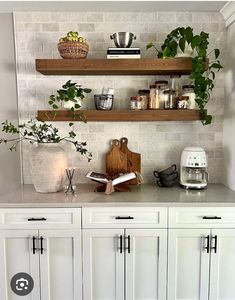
point(145, 195)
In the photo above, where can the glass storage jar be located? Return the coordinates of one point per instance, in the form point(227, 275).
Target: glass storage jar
point(170, 99)
point(144, 98)
point(161, 86)
point(176, 84)
point(188, 90)
point(153, 99)
point(135, 103)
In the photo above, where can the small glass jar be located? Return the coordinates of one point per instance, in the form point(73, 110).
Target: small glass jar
point(176, 84)
point(170, 99)
point(135, 103)
point(144, 98)
point(188, 90)
point(153, 99)
point(182, 102)
point(161, 86)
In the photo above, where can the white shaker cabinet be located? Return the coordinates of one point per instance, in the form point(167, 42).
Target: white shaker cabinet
point(120, 261)
point(103, 264)
point(222, 273)
point(201, 261)
point(146, 263)
point(16, 256)
point(47, 246)
point(188, 264)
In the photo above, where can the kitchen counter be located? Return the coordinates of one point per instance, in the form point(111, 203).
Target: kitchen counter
point(145, 195)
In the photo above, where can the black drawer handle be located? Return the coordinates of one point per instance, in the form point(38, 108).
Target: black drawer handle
point(36, 219)
point(124, 218)
point(211, 218)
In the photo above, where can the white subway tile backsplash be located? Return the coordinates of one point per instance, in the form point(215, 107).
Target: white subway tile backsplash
point(160, 143)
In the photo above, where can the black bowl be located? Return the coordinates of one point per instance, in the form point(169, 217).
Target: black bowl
point(165, 172)
point(167, 181)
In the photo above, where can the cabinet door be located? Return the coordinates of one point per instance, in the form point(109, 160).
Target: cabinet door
point(188, 264)
point(146, 264)
point(103, 264)
point(223, 265)
point(16, 256)
point(60, 265)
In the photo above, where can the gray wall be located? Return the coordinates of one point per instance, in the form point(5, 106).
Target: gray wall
point(9, 162)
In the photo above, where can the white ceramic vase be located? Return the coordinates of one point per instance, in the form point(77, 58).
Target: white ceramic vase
point(70, 104)
point(48, 164)
point(188, 51)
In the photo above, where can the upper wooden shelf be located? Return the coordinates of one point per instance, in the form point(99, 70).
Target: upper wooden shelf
point(146, 66)
point(122, 115)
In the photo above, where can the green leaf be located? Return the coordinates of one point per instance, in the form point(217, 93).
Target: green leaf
point(195, 41)
point(149, 45)
point(189, 34)
point(217, 53)
point(215, 66)
point(87, 91)
point(182, 31)
point(182, 43)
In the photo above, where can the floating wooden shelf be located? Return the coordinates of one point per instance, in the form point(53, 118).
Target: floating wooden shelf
point(147, 66)
point(122, 115)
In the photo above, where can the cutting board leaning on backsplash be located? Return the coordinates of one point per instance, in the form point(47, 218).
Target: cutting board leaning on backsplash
point(121, 160)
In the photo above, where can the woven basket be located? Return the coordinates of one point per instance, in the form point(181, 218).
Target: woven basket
point(73, 50)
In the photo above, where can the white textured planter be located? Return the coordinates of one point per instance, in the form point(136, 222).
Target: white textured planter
point(70, 104)
point(188, 51)
point(48, 163)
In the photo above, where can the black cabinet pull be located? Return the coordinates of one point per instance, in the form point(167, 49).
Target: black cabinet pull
point(207, 247)
point(120, 244)
point(128, 247)
point(41, 249)
point(129, 244)
point(124, 218)
point(34, 246)
point(211, 218)
point(215, 243)
point(37, 219)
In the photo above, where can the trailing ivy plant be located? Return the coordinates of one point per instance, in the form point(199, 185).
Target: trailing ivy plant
point(34, 131)
point(182, 38)
point(70, 91)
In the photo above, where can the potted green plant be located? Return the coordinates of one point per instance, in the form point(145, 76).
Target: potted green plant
point(70, 96)
point(182, 40)
point(48, 159)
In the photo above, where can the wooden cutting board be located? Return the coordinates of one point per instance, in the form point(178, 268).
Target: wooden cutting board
point(133, 159)
point(116, 160)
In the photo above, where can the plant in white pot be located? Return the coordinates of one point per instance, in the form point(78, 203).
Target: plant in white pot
point(48, 159)
point(182, 42)
point(70, 96)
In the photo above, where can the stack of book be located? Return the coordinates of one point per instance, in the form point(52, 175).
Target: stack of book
point(119, 53)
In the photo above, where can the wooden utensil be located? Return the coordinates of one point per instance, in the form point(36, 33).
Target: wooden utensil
point(133, 159)
point(116, 160)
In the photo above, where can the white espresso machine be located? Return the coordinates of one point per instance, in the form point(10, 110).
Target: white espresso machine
point(193, 168)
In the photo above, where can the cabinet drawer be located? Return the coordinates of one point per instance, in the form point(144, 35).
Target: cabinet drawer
point(202, 217)
point(124, 217)
point(40, 218)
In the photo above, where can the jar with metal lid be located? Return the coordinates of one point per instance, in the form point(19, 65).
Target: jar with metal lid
point(161, 86)
point(135, 103)
point(153, 99)
point(188, 90)
point(170, 99)
point(144, 98)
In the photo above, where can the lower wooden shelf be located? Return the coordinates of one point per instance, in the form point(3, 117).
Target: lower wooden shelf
point(121, 115)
